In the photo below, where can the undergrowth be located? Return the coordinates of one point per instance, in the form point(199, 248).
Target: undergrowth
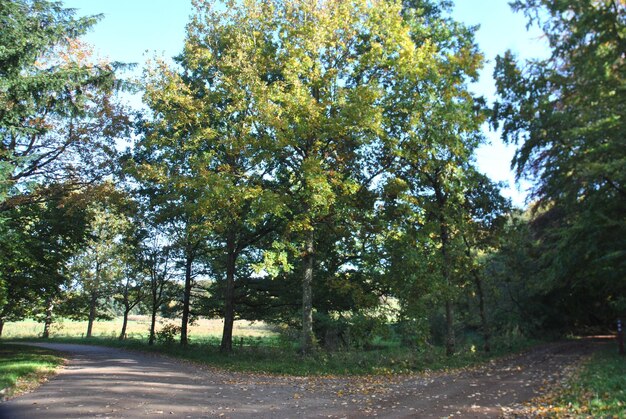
point(263, 355)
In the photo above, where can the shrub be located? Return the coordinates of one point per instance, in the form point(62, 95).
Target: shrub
point(167, 334)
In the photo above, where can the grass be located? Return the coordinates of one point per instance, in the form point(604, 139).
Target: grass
point(259, 349)
point(598, 390)
point(274, 356)
point(24, 367)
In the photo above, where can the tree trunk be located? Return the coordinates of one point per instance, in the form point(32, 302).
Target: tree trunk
point(445, 272)
point(229, 297)
point(186, 300)
point(48, 319)
point(307, 339)
point(124, 324)
point(94, 300)
point(156, 300)
point(483, 315)
point(484, 324)
point(450, 338)
point(92, 312)
point(152, 325)
point(446, 265)
point(1, 326)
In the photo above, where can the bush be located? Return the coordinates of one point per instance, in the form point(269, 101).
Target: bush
point(167, 334)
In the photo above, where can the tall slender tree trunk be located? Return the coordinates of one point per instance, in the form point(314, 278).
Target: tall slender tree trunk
point(450, 338)
point(445, 270)
point(1, 326)
point(48, 319)
point(94, 300)
point(124, 324)
point(307, 339)
point(92, 312)
point(156, 299)
point(484, 324)
point(229, 297)
point(152, 326)
point(444, 234)
point(186, 299)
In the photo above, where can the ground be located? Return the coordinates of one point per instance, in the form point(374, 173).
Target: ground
point(114, 383)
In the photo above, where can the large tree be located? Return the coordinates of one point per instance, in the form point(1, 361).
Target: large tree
point(100, 265)
point(162, 163)
point(203, 162)
point(280, 98)
point(434, 122)
point(566, 114)
point(59, 120)
point(38, 240)
point(58, 114)
point(329, 66)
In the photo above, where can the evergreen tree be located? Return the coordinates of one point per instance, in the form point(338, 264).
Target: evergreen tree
point(566, 114)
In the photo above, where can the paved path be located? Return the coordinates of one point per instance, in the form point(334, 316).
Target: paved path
point(105, 382)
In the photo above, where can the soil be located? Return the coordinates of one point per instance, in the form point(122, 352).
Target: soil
point(113, 383)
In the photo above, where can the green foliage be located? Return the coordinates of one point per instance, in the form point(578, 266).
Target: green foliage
point(100, 266)
point(566, 113)
point(59, 120)
point(58, 115)
point(427, 190)
point(39, 239)
point(167, 334)
point(327, 144)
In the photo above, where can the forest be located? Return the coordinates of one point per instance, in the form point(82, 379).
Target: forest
point(311, 165)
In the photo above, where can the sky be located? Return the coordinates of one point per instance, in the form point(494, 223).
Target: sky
point(134, 30)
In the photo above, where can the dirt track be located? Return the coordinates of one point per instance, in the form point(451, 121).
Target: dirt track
point(105, 382)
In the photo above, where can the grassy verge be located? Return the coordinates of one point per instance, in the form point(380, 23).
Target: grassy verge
point(597, 390)
point(255, 356)
point(24, 367)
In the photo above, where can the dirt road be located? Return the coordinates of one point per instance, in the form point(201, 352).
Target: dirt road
point(113, 383)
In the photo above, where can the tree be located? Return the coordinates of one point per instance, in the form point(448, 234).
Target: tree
point(161, 163)
point(99, 265)
point(566, 114)
point(59, 120)
point(58, 114)
point(38, 241)
point(203, 137)
point(130, 289)
point(434, 122)
point(252, 78)
point(157, 259)
point(326, 67)
point(230, 153)
point(482, 233)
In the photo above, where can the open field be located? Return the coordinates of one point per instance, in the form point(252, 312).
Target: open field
point(138, 328)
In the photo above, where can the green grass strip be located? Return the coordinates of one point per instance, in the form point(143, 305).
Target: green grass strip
point(23, 367)
point(257, 357)
point(599, 390)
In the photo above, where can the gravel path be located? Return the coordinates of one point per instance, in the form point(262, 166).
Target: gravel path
point(113, 383)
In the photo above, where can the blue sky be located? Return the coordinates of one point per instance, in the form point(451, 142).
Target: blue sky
point(133, 30)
